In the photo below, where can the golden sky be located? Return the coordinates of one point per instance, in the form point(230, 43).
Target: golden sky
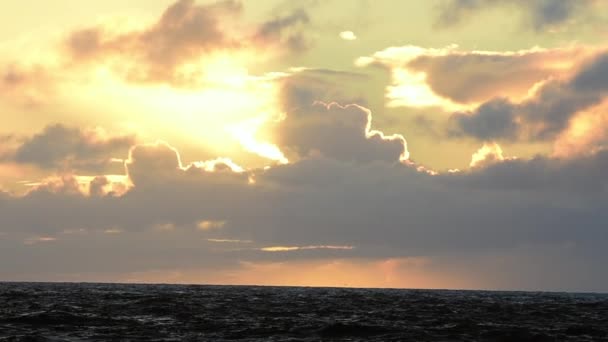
point(443, 143)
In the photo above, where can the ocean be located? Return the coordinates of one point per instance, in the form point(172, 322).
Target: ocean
point(120, 312)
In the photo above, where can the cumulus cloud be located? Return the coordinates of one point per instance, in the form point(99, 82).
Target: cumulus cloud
point(70, 148)
point(153, 164)
point(338, 132)
point(542, 14)
point(545, 114)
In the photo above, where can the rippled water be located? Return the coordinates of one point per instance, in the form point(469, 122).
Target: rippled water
point(77, 312)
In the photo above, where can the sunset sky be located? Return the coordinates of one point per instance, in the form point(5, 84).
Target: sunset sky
point(373, 143)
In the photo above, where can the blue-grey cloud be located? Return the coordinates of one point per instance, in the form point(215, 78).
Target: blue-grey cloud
point(542, 116)
point(60, 147)
point(338, 132)
point(274, 30)
point(542, 13)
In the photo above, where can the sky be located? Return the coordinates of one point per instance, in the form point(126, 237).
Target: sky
point(459, 144)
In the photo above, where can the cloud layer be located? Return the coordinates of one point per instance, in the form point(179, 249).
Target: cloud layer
point(380, 207)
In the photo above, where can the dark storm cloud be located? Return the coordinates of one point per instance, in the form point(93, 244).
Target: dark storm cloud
point(63, 147)
point(542, 116)
point(543, 13)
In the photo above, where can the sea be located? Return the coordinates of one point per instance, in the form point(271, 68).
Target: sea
point(128, 312)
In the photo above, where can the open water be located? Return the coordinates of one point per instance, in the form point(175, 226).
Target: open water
point(116, 312)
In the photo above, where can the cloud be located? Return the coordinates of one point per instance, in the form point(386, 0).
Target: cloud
point(176, 48)
point(545, 114)
point(61, 147)
point(39, 239)
point(206, 224)
point(409, 87)
point(542, 14)
point(184, 32)
point(383, 209)
point(586, 133)
point(363, 195)
point(455, 79)
point(274, 30)
point(28, 85)
point(577, 175)
point(348, 35)
point(311, 127)
point(302, 248)
point(487, 154)
point(469, 77)
point(338, 132)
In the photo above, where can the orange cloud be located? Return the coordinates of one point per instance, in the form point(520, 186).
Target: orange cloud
point(303, 248)
point(39, 239)
point(28, 85)
point(456, 80)
point(544, 114)
point(209, 224)
point(587, 132)
point(487, 154)
point(177, 48)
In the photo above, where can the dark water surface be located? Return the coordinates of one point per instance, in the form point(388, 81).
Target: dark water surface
point(110, 312)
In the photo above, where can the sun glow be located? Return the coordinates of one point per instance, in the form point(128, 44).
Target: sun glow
point(245, 133)
point(220, 108)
